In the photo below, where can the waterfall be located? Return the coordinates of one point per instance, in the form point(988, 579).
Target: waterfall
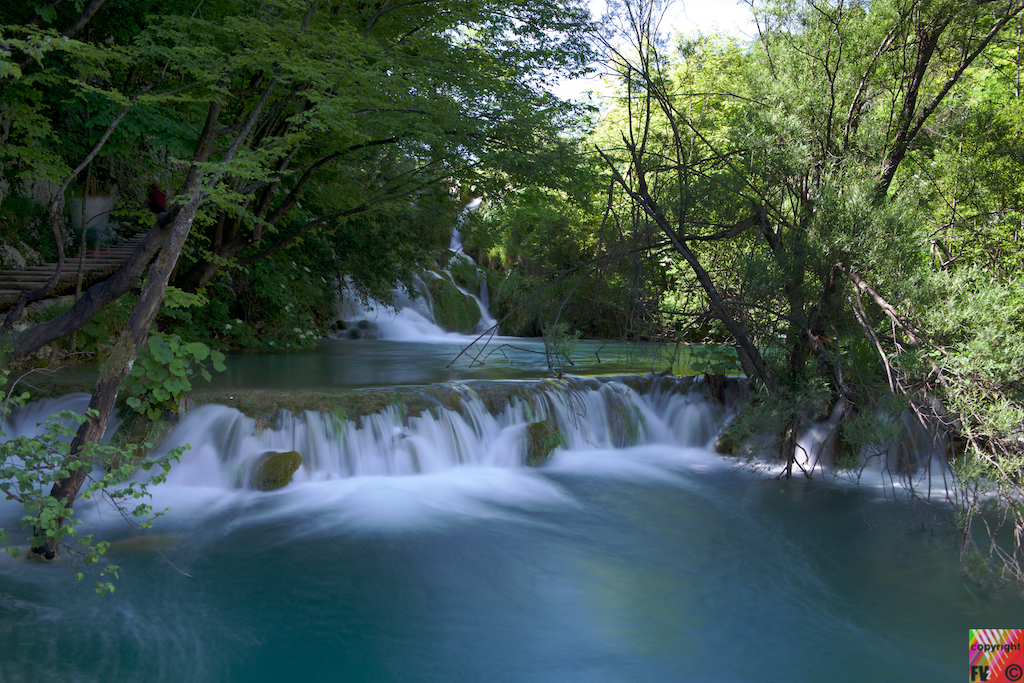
point(919, 450)
point(483, 431)
point(484, 424)
point(412, 318)
point(29, 420)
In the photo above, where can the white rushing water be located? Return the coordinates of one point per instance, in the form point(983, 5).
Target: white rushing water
point(593, 416)
point(421, 548)
point(411, 318)
point(30, 420)
point(597, 417)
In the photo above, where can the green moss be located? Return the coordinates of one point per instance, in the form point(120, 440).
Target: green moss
point(466, 274)
point(542, 438)
point(275, 470)
point(726, 442)
point(137, 430)
point(453, 310)
point(626, 422)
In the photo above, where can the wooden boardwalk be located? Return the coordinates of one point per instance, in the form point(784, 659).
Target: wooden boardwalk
point(95, 269)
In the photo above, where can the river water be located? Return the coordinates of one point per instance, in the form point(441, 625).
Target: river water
point(419, 548)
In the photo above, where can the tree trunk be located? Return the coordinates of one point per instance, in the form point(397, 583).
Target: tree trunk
point(121, 360)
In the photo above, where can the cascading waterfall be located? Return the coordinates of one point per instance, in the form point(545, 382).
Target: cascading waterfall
point(412, 318)
point(592, 414)
point(917, 453)
point(414, 544)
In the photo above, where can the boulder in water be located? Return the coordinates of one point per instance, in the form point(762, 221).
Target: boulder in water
point(726, 443)
point(541, 439)
point(275, 470)
point(361, 329)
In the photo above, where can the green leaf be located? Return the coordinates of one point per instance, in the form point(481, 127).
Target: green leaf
point(198, 350)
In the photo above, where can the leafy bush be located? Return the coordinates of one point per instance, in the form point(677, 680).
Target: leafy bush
point(163, 372)
point(30, 466)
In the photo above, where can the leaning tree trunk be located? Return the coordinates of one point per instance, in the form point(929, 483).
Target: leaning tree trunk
point(122, 357)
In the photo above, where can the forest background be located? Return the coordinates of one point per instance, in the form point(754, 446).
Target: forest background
point(838, 201)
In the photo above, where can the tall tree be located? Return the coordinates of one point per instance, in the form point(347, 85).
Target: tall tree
point(809, 240)
point(834, 96)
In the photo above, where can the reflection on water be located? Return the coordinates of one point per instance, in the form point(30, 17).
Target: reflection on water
point(374, 363)
point(336, 363)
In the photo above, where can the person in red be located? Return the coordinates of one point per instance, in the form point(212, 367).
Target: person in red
point(156, 200)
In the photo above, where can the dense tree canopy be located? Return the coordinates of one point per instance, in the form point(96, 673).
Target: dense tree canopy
point(349, 108)
point(829, 203)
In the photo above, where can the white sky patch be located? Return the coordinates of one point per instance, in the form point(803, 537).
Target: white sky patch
point(689, 16)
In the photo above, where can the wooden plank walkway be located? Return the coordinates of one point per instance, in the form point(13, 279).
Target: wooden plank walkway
point(95, 269)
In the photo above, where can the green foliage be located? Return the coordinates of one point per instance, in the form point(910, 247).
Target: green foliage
point(97, 335)
point(283, 302)
point(559, 346)
point(361, 126)
point(542, 438)
point(877, 427)
point(763, 426)
point(163, 372)
point(23, 220)
point(29, 42)
point(30, 466)
point(979, 321)
point(466, 274)
point(538, 242)
point(453, 310)
point(516, 303)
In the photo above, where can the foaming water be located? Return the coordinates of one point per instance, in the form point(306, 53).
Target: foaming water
point(591, 414)
point(30, 420)
point(411, 318)
point(419, 548)
point(408, 318)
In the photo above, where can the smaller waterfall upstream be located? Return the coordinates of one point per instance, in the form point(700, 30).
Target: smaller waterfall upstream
point(415, 317)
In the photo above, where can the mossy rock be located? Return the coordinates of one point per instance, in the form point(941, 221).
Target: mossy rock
point(453, 310)
point(275, 470)
point(497, 395)
point(726, 442)
point(626, 424)
point(138, 430)
point(466, 273)
point(541, 439)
